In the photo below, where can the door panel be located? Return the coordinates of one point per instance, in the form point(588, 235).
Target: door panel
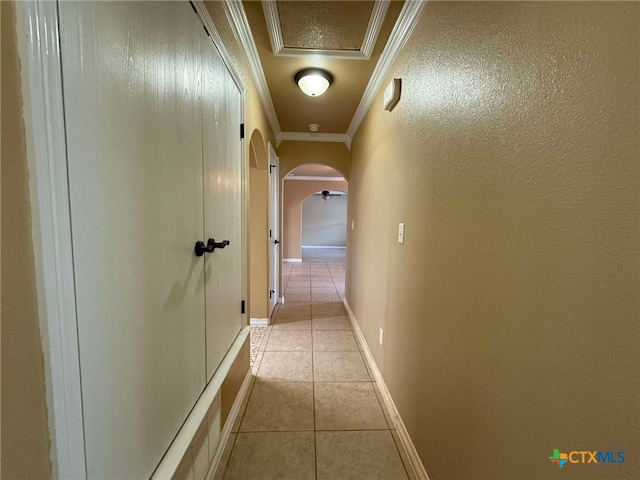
point(274, 227)
point(132, 101)
point(223, 176)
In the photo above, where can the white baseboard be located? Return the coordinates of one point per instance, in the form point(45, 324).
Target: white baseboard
point(324, 246)
point(259, 322)
point(226, 431)
point(405, 439)
point(292, 260)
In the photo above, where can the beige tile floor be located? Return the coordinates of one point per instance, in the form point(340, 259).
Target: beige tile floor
point(313, 410)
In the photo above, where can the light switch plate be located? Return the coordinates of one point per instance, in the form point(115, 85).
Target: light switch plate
point(380, 336)
point(353, 225)
point(401, 233)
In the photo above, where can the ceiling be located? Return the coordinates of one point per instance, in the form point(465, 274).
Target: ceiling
point(344, 37)
point(324, 25)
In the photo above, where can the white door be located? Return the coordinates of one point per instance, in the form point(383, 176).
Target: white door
point(223, 203)
point(150, 111)
point(274, 229)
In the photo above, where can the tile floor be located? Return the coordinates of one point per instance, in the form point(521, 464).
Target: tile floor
point(312, 411)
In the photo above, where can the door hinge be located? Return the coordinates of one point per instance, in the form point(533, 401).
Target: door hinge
point(242, 130)
point(270, 233)
point(242, 307)
point(271, 167)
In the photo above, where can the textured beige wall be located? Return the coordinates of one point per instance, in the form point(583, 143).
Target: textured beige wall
point(294, 193)
point(511, 311)
point(25, 437)
point(293, 154)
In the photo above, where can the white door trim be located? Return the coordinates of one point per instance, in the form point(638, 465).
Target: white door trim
point(38, 34)
point(39, 44)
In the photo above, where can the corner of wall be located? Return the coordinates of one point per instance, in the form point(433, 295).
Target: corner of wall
point(25, 436)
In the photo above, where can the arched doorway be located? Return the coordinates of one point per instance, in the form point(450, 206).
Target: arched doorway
point(324, 226)
point(299, 184)
point(258, 230)
point(303, 184)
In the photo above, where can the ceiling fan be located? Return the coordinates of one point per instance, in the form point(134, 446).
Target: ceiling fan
point(327, 194)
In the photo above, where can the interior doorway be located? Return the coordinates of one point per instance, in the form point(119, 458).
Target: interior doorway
point(258, 231)
point(304, 181)
point(315, 246)
point(324, 227)
point(274, 229)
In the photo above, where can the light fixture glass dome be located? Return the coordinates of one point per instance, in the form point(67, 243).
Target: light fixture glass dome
point(313, 81)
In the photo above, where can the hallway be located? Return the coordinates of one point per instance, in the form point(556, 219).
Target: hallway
point(313, 410)
point(161, 160)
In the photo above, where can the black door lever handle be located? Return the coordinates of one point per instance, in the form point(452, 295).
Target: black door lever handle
point(200, 248)
point(276, 241)
point(212, 244)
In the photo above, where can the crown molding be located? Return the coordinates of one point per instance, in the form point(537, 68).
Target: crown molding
point(404, 26)
point(240, 26)
point(299, 52)
point(373, 29)
point(272, 18)
point(315, 179)
point(313, 137)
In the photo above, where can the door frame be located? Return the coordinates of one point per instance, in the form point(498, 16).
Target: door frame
point(39, 46)
point(274, 229)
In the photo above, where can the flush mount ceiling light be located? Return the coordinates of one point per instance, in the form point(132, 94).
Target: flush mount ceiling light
point(313, 81)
